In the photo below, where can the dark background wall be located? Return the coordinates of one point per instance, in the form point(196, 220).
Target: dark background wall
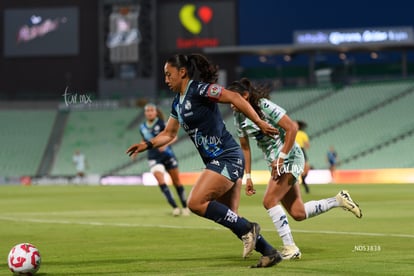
point(259, 22)
point(273, 22)
point(48, 77)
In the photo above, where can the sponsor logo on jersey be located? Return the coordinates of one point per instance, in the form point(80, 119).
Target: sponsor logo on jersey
point(202, 88)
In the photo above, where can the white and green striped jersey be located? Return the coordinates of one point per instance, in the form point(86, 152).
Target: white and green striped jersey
point(270, 146)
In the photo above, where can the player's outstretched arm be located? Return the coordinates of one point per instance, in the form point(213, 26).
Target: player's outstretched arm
point(163, 138)
point(245, 146)
point(244, 106)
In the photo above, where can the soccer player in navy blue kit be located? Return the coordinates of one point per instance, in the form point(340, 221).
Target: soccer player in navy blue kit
point(163, 159)
point(216, 193)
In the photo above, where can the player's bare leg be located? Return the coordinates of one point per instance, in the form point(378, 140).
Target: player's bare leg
point(232, 197)
point(279, 190)
point(205, 199)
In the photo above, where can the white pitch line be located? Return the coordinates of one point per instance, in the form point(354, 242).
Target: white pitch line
point(96, 223)
point(356, 233)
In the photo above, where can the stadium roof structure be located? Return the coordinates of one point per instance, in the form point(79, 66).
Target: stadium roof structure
point(312, 43)
point(291, 49)
point(312, 50)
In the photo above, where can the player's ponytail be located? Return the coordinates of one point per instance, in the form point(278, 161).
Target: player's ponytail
point(198, 67)
point(202, 69)
point(255, 94)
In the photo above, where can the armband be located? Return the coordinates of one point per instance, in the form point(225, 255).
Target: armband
point(248, 176)
point(149, 145)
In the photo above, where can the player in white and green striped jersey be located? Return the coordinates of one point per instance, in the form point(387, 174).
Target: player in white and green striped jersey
point(286, 161)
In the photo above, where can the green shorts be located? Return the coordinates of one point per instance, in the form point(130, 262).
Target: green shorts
point(294, 164)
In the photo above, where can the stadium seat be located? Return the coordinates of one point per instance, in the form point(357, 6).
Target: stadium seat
point(24, 137)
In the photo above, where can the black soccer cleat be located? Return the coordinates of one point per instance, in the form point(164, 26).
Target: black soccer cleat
point(269, 260)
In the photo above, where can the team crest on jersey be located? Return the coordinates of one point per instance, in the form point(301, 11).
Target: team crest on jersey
point(187, 105)
point(214, 91)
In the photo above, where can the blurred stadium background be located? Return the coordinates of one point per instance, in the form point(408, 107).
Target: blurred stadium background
point(76, 75)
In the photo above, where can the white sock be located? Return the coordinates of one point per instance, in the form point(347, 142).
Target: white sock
point(315, 208)
point(281, 223)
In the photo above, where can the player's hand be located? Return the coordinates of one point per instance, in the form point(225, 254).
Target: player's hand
point(277, 168)
point(249, 187)
point(267, 128)
point(133, 150)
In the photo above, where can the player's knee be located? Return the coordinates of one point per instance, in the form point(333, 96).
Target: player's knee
point(269, 202)
point(158, 168)
point(194, 205)
point(298, 215)
point(191, 204)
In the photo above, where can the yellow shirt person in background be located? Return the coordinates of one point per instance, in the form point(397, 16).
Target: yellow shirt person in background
point(302, 139)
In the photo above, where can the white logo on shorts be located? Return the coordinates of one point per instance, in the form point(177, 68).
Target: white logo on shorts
point(215, 162)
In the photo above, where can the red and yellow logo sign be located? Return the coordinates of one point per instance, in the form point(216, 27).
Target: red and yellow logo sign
point(193, 18)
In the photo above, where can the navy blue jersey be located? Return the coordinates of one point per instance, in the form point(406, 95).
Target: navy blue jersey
point(150, 131)
point(332, 157)
point(198, 114)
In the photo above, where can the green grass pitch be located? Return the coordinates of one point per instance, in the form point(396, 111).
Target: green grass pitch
point(100, 230)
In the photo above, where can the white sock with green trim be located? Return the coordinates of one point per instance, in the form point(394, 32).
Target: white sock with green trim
point(316, 207)
point(281, 223)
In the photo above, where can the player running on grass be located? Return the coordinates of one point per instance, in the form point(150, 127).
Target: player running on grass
point(216, 193)
point(163, 159)
point(286, 160)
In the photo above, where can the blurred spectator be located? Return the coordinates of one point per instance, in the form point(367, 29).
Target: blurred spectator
point(332, 158)
point(80, 163)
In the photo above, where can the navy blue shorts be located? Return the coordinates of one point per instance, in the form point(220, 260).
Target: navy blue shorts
point(230, 164)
